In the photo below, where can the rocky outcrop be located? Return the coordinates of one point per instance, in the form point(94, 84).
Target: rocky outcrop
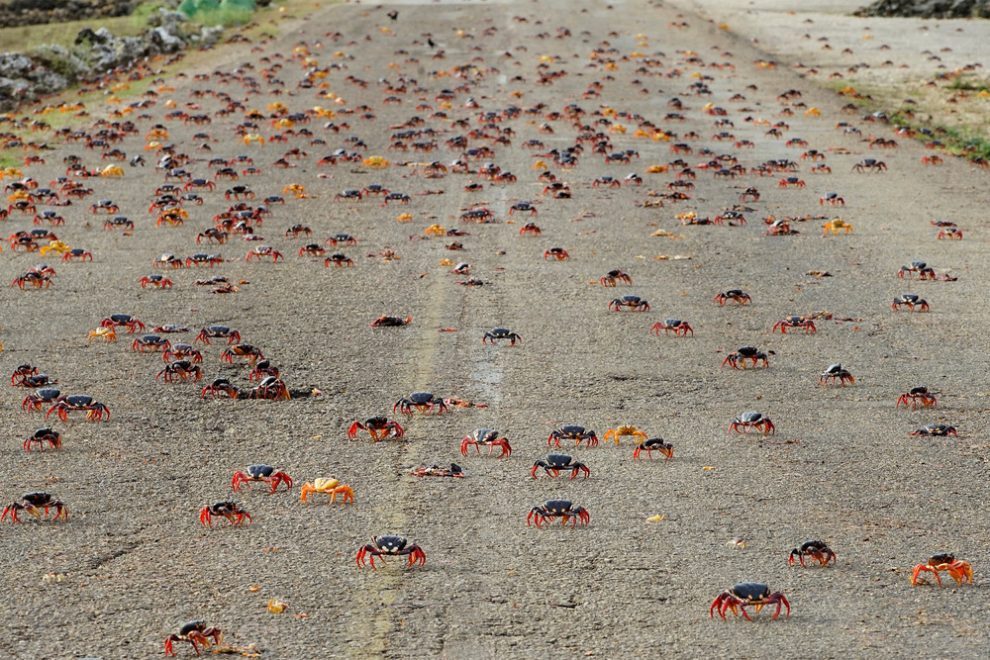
point(928, 8)
point(49, 69)
point(15, 13)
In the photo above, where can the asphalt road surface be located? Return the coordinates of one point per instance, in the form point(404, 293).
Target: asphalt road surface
point(133, 563)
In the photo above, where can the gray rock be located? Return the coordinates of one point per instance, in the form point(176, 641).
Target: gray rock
point(15, 65)
point(209, 36)
point(164, 41)
point(928, 8)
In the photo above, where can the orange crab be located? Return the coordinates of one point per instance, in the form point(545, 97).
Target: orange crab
point(328, 486)
point(624, 430)
point(958, 570)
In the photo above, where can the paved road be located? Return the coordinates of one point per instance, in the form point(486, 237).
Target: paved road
point(133, 563)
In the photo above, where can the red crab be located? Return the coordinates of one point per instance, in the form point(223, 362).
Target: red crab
point(37, 505)
point(424, 402)
point(42, 437)
point(558, 253)
point(263, 473)
point(917, 397)
point(390, 546)
point(738, 597)
point(196, 633)
point(488, 438)
point(563, 509)
point(654, 445)
point(218, 332)
point(234, 514)
point(678, 327)
point(251, 353)
point(795, 322)
point(817, 550)
point(751, 419)
point(737, 296)
point(613, 277)
point(95, 411)
point(123, 321)
point(379, 428)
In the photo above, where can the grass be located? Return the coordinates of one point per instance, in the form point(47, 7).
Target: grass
point(64, 34)
point(949, 110)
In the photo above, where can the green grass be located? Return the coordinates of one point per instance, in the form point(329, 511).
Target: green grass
point(64, 34)
point(9, 159)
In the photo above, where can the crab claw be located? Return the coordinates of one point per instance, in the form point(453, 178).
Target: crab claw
point(204, 516)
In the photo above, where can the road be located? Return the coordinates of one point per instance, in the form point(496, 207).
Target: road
point(133, 563)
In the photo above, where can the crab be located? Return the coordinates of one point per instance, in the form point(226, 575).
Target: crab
point(935, 431)
point(625, 430)
point(832, 199)
point(342, 239)
point(558, 253)
point(391, 321)
point(339, 260)
point(530, 229)
point(36, 504)
point(737, 296)
point(738, 359)
point(263, 252)
point(496, 334)
point(182, 351)
point(42, 437)
point(218, 332)
point(263, 473)
point(424, 402)
point(155, 280)
point(817, 550)
point(22, 372)
point(678, 327)
point(919, 268)
point(34, 380)
point(563, 509)
point(795, 322)
point(951, 233)
point(835, 227)
point(349, 194)
point(270, 388)
point(958, 569)
point(182, 370)
point(221, 386)
point(523, 207)
point(870, 165)
point(750, 195)
point(234, 514)
point(738, 597)
point(613, 277)
point(238, 192)
point(95, 411)
point(390, 545)
point(780, 228)
point(752, 420)
point(632, 303)
point(488, 438)
point(35, 279)
point(379, 428)
point(327, 486)
point(836, 372)
point(651, 445)
point(251, 353)
point(455, 471)
point(122, 321)
point(213, 235)
point(150, 344)
point(203, 259)
point(196, 633)
point(912, 301)
point(917, 397)
point(573, 432)
point(312, 250)
point(554, 464)
point(790, 182)
point(33, 402)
